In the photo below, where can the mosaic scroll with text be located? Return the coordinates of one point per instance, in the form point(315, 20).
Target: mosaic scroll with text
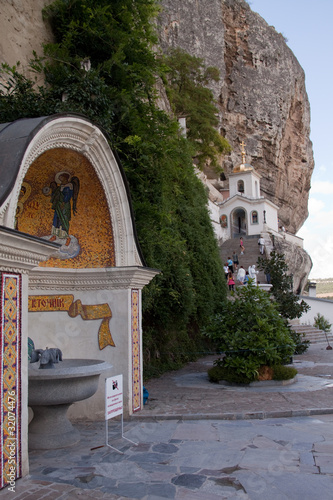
point(66, 303)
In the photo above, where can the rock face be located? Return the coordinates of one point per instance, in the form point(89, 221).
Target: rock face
point(22, 30)
point(298, 261)
point(261, 94)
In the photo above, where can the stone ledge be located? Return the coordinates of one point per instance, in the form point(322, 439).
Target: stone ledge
point(261, 383)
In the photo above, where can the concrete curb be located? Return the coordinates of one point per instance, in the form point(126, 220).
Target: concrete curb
point(260, 415)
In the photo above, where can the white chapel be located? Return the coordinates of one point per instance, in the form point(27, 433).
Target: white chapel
point(245, 212)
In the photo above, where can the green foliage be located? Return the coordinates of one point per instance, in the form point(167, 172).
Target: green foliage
point(171, 349)
point(301, 344)
point(322, 323)
point(220, 372)
point(281, 372)
point(250, 332)
point(282, 286)
point(186, 86)
point(170, 204)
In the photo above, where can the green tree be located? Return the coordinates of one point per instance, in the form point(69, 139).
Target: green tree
point(186, 84)
point(322, 323)
point(118, 92)
point(251, 333)
point(289, 304)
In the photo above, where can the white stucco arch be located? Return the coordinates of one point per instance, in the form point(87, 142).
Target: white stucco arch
point(80, 135)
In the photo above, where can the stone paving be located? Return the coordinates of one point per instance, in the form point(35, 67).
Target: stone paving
point(188, 392)
point(202, 441)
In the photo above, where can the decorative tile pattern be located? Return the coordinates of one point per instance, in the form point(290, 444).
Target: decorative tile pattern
point(10, 338)
point(136, 361)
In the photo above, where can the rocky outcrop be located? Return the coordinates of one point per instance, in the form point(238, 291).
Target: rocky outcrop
point(298, 261)
point(261, 94)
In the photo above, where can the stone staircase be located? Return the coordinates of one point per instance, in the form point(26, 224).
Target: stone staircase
point(312, 334)
point(250, 256)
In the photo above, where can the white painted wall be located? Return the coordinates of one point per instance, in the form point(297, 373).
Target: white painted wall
point(321, 306)
point(251, 183)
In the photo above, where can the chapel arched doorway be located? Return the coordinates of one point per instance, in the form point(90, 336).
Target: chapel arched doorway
point(238, 222)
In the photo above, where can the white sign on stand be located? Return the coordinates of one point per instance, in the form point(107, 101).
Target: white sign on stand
point(114, 405)
point(113, 396)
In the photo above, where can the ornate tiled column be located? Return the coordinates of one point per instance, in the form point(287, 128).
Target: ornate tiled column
point(19, 253)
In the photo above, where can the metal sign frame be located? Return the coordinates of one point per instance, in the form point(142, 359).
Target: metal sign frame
point(114, 407)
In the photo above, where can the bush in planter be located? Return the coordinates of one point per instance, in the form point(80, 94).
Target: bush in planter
point(219, 372)
point(251, 333)
point(284, 372)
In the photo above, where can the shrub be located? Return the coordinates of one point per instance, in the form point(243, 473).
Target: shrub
point(301, 344)
point(281, 372)
point(288, 303)
point(251, 333)
point(219, 372)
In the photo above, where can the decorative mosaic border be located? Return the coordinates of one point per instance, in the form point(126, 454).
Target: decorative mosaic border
point(136, 361)
point(10, 340)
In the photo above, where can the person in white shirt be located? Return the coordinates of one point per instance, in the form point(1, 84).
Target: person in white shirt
point(226, 270)
point(261, 243)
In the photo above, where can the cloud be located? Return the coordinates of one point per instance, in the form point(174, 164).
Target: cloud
point(321, 255)
point(315, 206)
point(317, 232)
point(322, 187)
point(320, 248)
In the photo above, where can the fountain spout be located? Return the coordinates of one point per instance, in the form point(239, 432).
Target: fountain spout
point(46, 357)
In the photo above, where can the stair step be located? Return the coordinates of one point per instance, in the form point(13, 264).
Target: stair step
point(313, 334)
point(249, 257)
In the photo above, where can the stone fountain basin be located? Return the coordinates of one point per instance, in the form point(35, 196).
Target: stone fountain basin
point(50, 394)
point(69, 381)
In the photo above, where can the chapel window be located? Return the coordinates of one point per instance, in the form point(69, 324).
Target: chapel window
point(240, 186)
point(254, 217)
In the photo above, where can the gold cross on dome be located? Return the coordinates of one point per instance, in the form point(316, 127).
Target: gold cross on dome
point(243, 151)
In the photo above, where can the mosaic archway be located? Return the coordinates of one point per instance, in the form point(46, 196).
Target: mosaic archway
point(62, 200)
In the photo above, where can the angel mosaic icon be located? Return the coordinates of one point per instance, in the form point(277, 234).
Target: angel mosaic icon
point(64, 192)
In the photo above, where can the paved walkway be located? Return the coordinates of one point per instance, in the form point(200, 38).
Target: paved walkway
point(202, 441)
point(187, 393)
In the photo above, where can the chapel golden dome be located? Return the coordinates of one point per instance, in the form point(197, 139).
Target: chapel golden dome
point(243, 167)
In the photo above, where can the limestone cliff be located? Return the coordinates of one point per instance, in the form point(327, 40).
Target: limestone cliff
point(22, 30)
point(298, 261)
point(261, 94)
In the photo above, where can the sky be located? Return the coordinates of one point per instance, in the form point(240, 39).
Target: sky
point(307, 26)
